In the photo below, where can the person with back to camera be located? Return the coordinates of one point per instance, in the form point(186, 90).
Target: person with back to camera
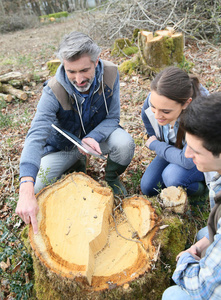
point(83, 98)
point(198, 271)
point(171, 92)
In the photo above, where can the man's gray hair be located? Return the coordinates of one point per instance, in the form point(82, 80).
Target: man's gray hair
point(76, 44)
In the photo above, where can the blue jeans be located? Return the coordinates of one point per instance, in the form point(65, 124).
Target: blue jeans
point(175, 293)
point(161, 174)
point(119, 146)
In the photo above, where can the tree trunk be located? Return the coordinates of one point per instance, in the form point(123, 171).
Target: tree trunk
point(82, 249)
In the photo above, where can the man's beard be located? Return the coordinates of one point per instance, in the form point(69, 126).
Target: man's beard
point(85, 88)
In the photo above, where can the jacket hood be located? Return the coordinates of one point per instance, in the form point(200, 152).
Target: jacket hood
point(62, 78)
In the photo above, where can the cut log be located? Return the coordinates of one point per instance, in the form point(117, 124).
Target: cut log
point(6, 88)
point(174, 199)
point(10, 76)
point(6, 97)
point(79, 243)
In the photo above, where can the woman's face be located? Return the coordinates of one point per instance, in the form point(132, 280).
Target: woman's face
point(166, 111)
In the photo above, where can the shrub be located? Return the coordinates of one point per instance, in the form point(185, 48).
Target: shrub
point(18, 21)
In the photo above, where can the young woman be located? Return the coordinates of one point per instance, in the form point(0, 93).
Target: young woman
point(171, 92)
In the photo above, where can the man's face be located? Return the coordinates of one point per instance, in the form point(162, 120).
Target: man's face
point(204, 160)
point(81, 72)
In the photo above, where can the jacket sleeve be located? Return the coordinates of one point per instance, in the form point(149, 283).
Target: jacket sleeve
point(102, 131)
point(38, 134)
point(172, 154)
point(146, 121)
point(201, 279)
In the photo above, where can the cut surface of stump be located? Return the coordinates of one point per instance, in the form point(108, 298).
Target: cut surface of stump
point(174, 199)
point(130, 250)
point(79, 240)
point(73, 225)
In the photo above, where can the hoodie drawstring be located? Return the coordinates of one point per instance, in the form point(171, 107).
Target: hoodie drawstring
point(105, 101)
point(79, 113)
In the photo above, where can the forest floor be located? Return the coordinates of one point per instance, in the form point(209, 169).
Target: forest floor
point(29, 50)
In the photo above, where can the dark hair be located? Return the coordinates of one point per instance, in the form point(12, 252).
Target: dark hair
point(76, 44)
point(202, 118)
point(178, 86)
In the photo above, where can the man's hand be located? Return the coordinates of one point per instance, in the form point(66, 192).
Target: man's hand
point(150, 140)
point(193, 250)
point(27, 206)
point(93, 144)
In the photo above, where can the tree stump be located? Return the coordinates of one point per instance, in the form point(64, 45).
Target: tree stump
point(52, 66)
point(161, 50)
point(155, 52)
point(82, 248)
point(174, 199)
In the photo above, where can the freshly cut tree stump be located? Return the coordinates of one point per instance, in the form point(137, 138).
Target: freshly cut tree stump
point(174, 199)
point(73, 223)
point(81, 248)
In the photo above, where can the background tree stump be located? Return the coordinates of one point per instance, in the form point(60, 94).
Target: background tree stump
point(155, 52)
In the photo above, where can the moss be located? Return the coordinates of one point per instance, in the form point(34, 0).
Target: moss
point(123, 47)
point(130, 50)
point(178, 45)
point(185, 65)
point(128, 67)
point(173, 239)
point(135, 34)
point(53, 65)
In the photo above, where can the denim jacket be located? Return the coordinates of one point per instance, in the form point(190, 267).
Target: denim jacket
point(161, 146)
point(104, 116)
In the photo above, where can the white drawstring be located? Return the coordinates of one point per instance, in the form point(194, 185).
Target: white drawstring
point(82, 124)
point(105, 101)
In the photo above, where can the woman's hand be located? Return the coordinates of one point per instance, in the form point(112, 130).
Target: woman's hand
point(150, 140)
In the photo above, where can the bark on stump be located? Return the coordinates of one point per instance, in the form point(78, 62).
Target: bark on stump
point(82, 249)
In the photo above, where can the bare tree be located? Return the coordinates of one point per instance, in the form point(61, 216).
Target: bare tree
point(119, 18)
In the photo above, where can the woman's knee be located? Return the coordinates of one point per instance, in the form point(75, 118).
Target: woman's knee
point(171, 176)
point(175, 293)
